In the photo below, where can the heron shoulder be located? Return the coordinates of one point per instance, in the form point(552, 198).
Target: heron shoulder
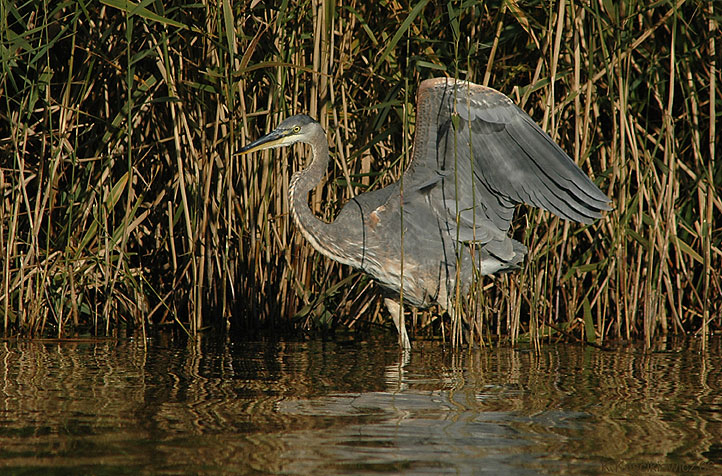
point(461, 95)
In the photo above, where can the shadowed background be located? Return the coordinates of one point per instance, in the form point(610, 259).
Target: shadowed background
point(123, 201)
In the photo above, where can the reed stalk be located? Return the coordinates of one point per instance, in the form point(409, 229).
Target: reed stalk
point(125, 204)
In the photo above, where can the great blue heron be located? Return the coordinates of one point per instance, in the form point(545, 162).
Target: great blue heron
point(475, 156)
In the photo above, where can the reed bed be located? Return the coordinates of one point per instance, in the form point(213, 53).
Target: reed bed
point(124, 202)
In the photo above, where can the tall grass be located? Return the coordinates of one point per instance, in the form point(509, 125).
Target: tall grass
point(124, 202)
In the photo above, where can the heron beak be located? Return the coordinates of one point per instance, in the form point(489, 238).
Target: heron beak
point(273, 139)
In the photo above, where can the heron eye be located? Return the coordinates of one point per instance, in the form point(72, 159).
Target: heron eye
point(297, 129)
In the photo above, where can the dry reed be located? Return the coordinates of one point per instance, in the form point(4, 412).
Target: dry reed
point(123, 200)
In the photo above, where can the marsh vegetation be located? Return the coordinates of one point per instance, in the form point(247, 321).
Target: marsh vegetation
point(124, 201)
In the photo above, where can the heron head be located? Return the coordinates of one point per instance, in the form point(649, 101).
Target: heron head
point(298, 128)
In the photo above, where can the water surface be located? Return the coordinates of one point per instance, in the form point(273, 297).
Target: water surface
point(120, 407)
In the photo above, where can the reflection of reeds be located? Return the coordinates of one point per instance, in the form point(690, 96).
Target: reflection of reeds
point(270, 407)
point(122, 198)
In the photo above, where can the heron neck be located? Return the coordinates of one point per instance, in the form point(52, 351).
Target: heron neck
point(322, 236)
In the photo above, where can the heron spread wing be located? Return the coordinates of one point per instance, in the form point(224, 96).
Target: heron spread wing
point(480, 154)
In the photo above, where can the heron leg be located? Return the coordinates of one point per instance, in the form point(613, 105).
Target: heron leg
point(395, 311)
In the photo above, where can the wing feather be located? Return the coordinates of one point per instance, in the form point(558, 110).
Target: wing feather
point(488, 155)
